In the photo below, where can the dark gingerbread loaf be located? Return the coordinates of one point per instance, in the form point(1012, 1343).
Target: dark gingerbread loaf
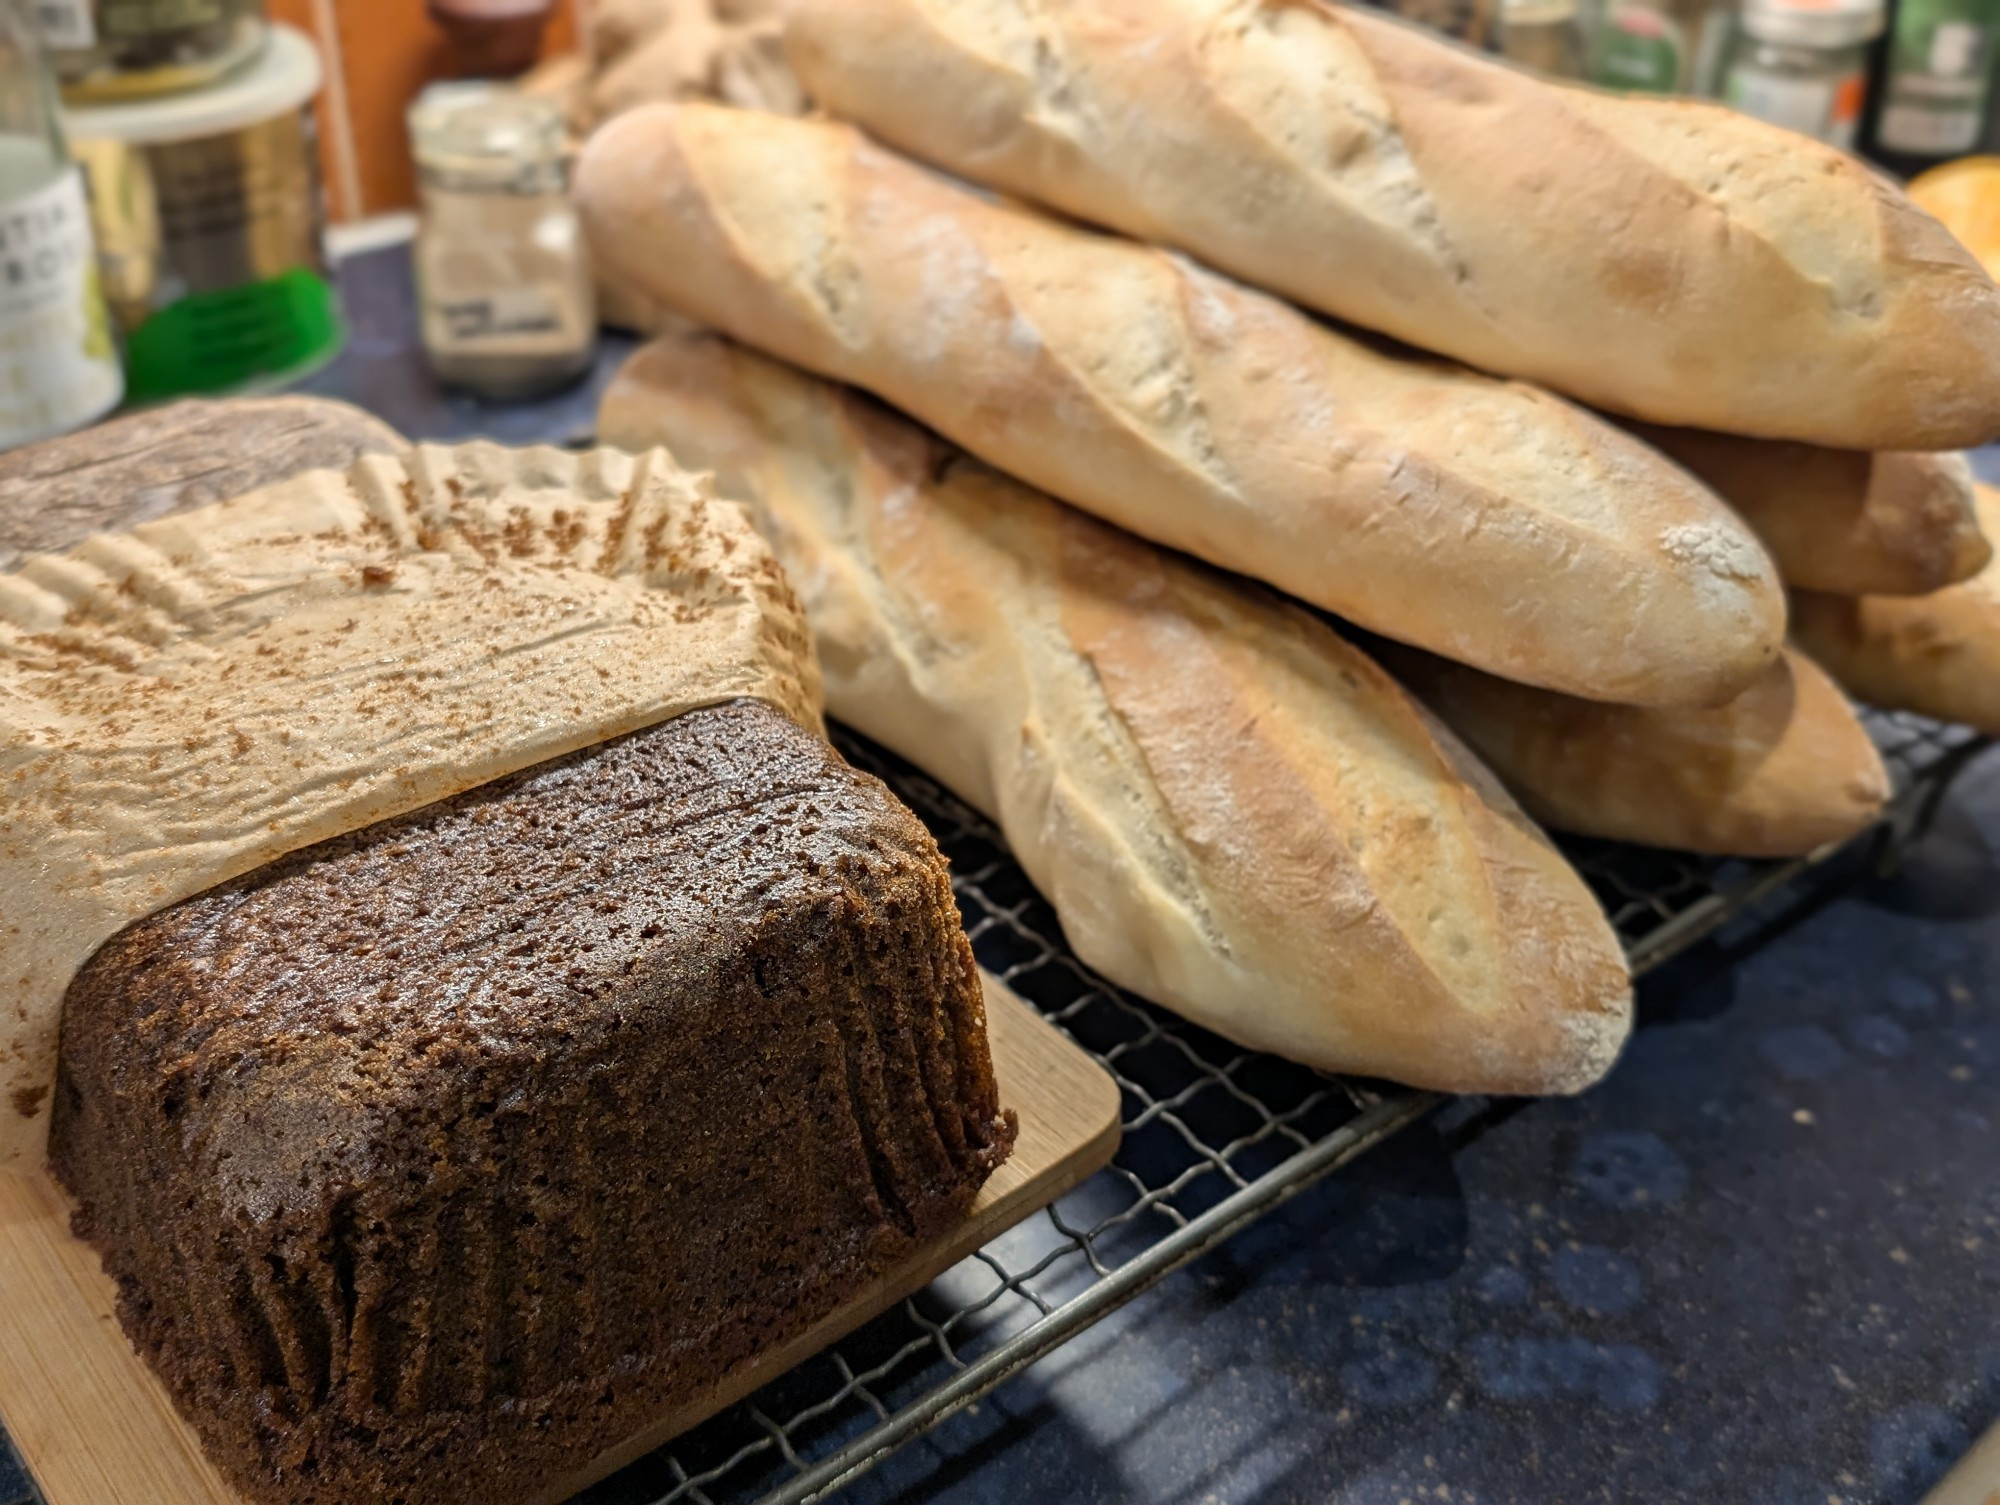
point(435, 1159)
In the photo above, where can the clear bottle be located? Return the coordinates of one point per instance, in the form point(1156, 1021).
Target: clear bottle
point(58, 366)
point(1804, 66)
point(1545, 36)
point(1469, 21)
point(507, 305)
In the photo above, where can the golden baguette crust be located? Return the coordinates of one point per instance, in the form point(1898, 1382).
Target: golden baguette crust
point(1938, 655)
point(1668, 259)
point(1779, 771)
point(1483, 520)
point(1842, 520)
point(1235, 812)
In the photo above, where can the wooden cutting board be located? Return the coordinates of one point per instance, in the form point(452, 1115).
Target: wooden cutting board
point(96, 1428)
point(1976, 1479)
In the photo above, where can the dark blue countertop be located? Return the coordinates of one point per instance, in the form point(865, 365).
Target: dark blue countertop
point(1759, 1264)
point(382, 368)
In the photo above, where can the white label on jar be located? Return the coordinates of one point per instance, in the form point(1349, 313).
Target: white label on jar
point(66, 23)
point(57, 365)
point(515, 313)
point(1797, 104)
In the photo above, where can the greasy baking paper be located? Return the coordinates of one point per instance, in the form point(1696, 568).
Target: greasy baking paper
point(187, 701)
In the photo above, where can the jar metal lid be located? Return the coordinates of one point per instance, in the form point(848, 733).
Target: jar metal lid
point(1537, 12)
point(1814, 23)
point(284, 78)
point(485, 121)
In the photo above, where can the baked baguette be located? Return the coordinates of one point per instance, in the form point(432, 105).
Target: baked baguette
point(1777, 772)
point(1234, 812)
point(1842, 520)
point(1484, 520)
point(1664, 258)
point(1938, 655)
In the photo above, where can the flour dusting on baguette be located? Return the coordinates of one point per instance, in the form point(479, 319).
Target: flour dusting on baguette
point(1843, 521)
point(1723, 552)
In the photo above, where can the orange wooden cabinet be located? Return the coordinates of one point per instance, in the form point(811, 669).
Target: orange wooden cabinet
point(378, 55)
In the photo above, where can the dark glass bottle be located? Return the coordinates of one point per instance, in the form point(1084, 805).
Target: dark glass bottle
point(1933, 80)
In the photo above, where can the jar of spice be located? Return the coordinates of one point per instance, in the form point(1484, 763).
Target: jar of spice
point(1804, 65)
point(126, 49)
point(506, 300)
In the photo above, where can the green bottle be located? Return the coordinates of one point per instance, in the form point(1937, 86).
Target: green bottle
point(1936, 75)
point(1639, 48)
point(1650, 46)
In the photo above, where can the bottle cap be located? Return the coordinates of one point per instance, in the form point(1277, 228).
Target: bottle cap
point(492, 38)
point(283, 79)
point(1824, 24)
point(475, 120)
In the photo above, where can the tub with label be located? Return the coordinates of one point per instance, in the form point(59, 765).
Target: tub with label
point(58, 365)
point(210, 223)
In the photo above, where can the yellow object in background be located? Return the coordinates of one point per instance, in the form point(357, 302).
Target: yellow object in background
point(1965, 195)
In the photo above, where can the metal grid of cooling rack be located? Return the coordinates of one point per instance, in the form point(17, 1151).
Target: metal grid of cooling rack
point(1661, 903)
point(1214, 1138)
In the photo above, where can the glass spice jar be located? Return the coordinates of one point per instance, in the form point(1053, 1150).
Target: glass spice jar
point(507, 306)
point(1803, 65)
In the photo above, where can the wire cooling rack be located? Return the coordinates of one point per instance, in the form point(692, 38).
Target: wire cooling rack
point(1214, 1138)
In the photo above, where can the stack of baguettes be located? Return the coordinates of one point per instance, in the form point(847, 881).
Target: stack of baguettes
point(1234, 811)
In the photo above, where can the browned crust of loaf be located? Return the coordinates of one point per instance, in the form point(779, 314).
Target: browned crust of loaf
point(1932, 344)
point(1919, 512)
point(1937, 655)
point(1938, 348)
point(1843, 521)
point(1780, 771)
point(434, 1159)
point(1288, 865)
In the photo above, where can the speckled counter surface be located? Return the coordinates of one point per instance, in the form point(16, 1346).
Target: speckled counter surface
point(1760, 1264)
